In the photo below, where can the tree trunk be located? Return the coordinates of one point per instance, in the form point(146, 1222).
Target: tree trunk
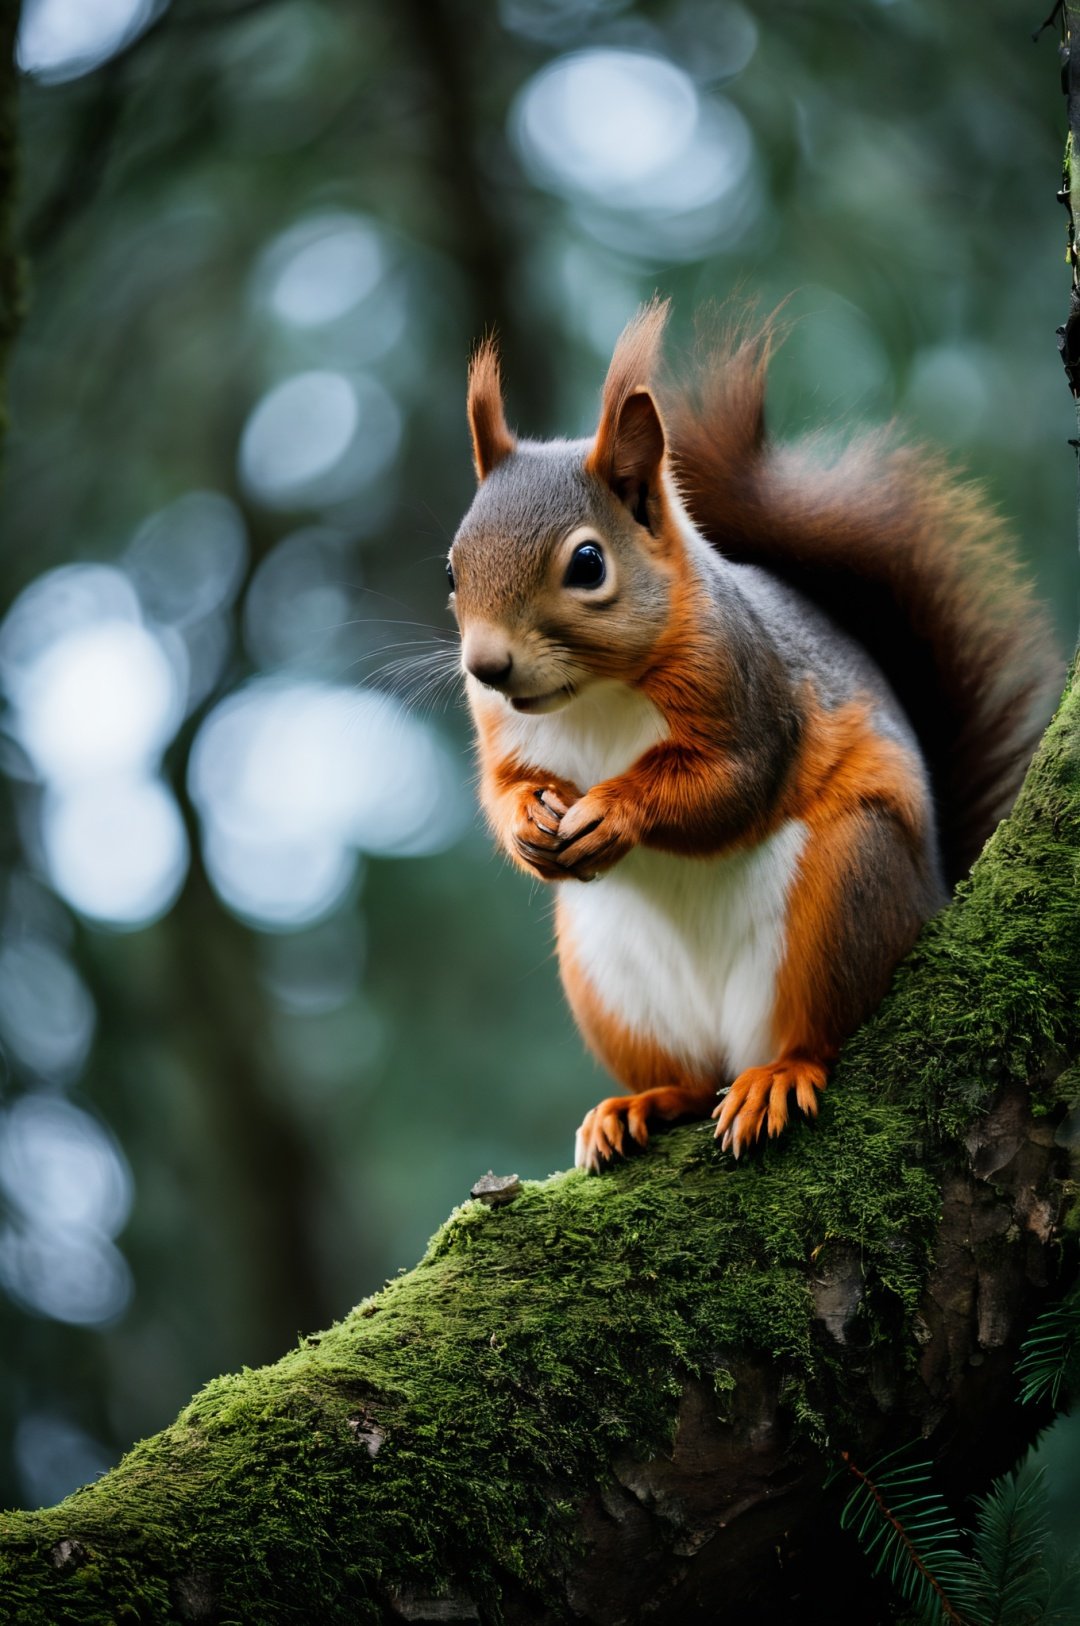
point(10, 262)
point(619, 1395)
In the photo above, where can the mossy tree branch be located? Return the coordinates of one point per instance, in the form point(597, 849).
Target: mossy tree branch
point(622, 1392)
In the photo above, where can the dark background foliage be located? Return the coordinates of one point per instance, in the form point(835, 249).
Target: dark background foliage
point(268, 1003)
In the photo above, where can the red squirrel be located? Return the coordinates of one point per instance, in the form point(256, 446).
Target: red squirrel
point(754, 708)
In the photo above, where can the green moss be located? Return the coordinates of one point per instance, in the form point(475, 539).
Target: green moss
point(992, 990)
point(535, 1341)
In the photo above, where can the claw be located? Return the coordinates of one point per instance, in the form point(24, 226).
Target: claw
point(758, 1101)
point(606, 1131)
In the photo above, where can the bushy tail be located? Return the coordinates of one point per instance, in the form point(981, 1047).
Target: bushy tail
point(909, 560)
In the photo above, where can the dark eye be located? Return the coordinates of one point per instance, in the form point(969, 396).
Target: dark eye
point(586, 567)
point(450, 574)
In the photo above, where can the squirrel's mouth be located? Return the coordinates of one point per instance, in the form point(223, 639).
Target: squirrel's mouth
point(538, 703)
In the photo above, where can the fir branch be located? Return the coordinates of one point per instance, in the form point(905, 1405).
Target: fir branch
point(1013, 1576)
point(912, 1536)
point(1010, 1544)
point(1049, 1364)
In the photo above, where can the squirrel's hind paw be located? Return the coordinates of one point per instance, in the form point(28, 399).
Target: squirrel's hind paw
point(758, 1099)
point(602, 1136)
point(604, 1131)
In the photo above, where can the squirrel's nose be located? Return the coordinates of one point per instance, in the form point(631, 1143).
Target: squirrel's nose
point(492, 671)
point(486, 656)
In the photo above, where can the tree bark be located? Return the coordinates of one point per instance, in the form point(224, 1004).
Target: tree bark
point(617, 1397)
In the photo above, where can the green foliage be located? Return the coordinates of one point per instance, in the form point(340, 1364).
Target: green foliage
point(1017, 1580)
point(1049, 1367)
point(1003, 1573)
point(907, 1532)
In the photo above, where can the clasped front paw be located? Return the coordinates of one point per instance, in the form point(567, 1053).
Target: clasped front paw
point(535, 833)
point(596, 832)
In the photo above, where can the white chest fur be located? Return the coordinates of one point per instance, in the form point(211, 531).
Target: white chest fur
point(595, 737)
point(685, 951)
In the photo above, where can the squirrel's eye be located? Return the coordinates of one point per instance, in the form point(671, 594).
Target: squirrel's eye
point(450, 574)
point(586, 567)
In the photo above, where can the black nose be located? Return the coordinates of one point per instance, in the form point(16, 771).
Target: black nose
point(494, 673)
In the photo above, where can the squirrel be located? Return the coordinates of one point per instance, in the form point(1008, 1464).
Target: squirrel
point(767, 701)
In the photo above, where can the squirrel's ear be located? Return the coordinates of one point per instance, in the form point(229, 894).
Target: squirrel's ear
point(491, 438)
point(629, 445)
point(631, 453)
point(627, 454)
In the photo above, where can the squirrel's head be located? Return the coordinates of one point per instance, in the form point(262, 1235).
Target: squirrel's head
point(562, 570)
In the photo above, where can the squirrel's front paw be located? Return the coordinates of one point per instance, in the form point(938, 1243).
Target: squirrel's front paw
point(535, 831)
point(596, 832)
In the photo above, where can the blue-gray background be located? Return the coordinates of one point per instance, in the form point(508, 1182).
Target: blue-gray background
point(268, 1003)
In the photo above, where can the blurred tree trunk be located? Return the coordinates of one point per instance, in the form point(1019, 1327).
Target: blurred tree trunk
point(10, 262)
point(618, 1397)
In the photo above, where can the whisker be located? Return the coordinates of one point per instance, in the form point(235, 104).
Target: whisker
point(406, 680)
point(423, 701)
point(444, 652)
point(415, 677)
point(385, 621)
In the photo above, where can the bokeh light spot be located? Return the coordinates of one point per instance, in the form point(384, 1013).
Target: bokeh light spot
point(116, 850)
point(318, 437)
point(74, 1276)
point(101, 700)
point(61, 39)
point(651, 168)
point(68, 1192)
point(299, 607)
point(291, 778)
point(46, 1013)
point(608, 123)
point(298, 431)
point(60, 1167)
point(53, 1457)
point(322, 268)
point(188, 559)
point(94, 691)
point(278, 885)
point(57, 604)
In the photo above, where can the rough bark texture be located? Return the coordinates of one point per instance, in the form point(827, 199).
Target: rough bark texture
point(617, 1397)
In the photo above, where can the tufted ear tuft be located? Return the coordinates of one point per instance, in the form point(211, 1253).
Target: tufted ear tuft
point(629, 445)
point(491, 438)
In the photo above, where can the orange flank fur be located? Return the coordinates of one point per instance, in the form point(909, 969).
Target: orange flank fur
point(844, 768)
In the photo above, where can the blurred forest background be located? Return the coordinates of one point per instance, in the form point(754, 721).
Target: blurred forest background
point(268, 1002)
